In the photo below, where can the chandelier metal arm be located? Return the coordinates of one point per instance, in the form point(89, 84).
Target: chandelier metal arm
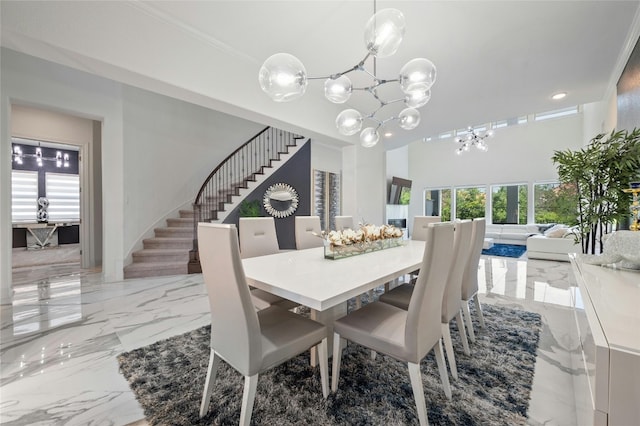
point(357, 67)
point(284, 78)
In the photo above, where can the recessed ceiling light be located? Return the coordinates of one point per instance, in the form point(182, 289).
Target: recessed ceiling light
point(388, 134)
point(559, 96)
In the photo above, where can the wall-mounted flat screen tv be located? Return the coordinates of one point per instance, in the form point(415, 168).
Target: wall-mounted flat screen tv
point(399, 191)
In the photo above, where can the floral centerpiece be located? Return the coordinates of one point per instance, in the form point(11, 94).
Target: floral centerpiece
point(350, 242)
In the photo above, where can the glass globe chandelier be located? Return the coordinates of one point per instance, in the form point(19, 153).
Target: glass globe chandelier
point(284, 78)
point(473, 139)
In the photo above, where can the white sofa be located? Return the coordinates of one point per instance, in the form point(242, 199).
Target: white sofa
point(511, 234)
point(553, 246)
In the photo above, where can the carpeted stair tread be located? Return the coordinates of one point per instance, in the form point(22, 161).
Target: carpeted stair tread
point(168, 242)
point(177, 231)
point(186, 213)
point(160, 255)
point(180, 222)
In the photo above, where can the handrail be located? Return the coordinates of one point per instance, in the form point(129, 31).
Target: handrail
point(238, 168)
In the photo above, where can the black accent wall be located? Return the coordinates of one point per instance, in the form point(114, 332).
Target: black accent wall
point(297, 173)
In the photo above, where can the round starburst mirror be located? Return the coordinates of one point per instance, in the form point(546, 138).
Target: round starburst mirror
point(280, 200)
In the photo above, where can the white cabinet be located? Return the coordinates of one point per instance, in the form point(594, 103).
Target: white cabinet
point(607, 360)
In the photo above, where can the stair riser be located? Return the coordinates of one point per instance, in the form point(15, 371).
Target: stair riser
point(185, 214)
point(180, 223)
point(162, 258)
point(151, 244)
point(175, 232)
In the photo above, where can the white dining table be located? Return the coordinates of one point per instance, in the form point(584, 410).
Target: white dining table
point(325, 285)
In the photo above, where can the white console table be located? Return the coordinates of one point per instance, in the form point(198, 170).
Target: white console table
point(607, 314)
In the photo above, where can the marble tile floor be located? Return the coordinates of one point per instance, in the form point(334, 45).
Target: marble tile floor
point(61, 335)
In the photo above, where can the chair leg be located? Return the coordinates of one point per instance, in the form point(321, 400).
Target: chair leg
point(448, 346)
point(335, 369)
point(442, 368)
point(467, 317)
point(324, 366)
point(374, 354)
point(371, 295)
point(248, 396)
point(358, 302)
point(463, 333)
point(479, 309)
point(418, 392)
point(214, 361)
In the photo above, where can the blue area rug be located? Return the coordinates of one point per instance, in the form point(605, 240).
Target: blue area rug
point(506, 250)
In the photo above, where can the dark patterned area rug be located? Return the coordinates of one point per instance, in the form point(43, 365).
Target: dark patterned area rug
point(505, 250)
point(493, 388)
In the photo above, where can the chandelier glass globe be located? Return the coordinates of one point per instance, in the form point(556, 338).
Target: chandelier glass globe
point(338, 90)
point(283, 77)
point(417, 99)
point(417, 75)
point(369, 137)
point(383, 32)
point(409, 118)
point(349, 122)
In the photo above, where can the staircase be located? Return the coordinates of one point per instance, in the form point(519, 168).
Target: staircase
point(173, 250)
point(167, 253)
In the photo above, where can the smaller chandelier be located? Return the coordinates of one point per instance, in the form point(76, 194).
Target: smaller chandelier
point(473, 139)
point(284, 78)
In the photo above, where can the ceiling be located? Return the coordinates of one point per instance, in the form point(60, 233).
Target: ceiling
point(495, 59)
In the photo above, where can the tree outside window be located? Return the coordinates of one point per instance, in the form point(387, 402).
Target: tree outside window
point(555, 203)
point(509, 204)
point(470, 202)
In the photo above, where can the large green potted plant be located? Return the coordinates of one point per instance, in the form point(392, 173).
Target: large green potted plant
point(599, 172)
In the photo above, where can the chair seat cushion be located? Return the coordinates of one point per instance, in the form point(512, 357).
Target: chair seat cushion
point(378, 326)
point(285, 335)
point(263, 299)
point(399, 296)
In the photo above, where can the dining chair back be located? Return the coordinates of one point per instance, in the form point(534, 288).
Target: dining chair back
point(307, 229)
point(425, 307)
point(257, 236)
point(420, 225)
point(451, 300)
point(344, 222)
point(249, 341)
point(407, 335)
point(470, 276)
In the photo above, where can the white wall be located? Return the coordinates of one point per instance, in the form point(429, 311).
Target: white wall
point(156, 151)
point(29, 81)
point(600, 117)
point(517, 154)
point(325, 157)
point(363, 183)
point(170, 148)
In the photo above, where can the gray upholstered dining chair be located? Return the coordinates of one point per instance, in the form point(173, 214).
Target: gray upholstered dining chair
point(401, 296)
point(344, 222)
point(258, 238)
point(307, 229)
point(470, 277)
point(407, 335)
point(251, 342)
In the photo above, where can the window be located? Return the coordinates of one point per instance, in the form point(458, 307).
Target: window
point(63, 192)
point(509, 204)
point(470, 202)
point(24, 195)
point(437, 202)
point(555, 203)
point(556, 113)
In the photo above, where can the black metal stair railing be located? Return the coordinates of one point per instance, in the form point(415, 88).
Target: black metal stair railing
point(233, 173)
